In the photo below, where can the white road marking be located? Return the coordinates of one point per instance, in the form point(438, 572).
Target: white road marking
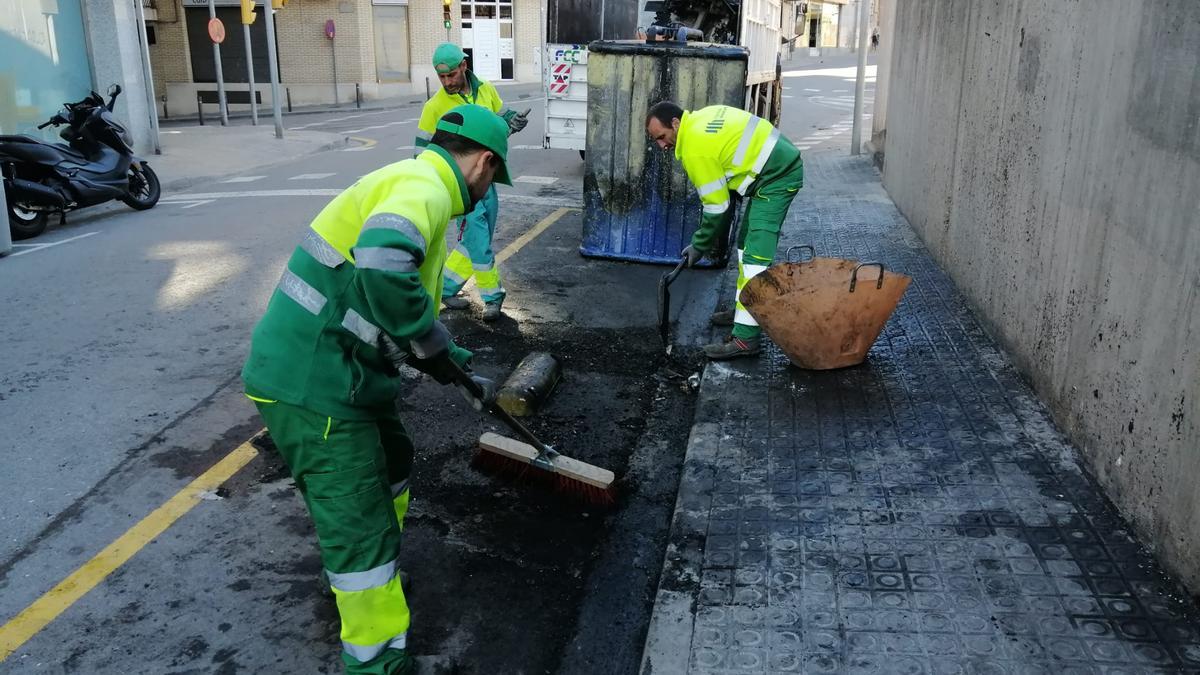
point(812, 90)
point(525, 147)
point(311, 176)
point(360, 148)
point(192, 205)
point(38, 247)
point(333, 192)
point(378, 126)
point(341, 119)
point(407, 147)
point(315, 192)
point(539, 180)
point(243, 179)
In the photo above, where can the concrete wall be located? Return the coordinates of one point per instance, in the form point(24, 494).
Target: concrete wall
point(115, 49)
point(1049, 154)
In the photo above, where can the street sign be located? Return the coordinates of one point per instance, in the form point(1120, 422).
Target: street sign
point(329, 28)
point(216, 30)
point(561, 74)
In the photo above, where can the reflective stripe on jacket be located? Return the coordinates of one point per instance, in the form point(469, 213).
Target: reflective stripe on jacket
point(722, 149)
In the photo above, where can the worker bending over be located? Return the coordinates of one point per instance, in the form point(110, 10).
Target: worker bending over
point(729, 153)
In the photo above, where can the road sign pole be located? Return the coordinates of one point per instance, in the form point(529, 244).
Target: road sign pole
point(250, 74)
point(269, 17)
point(860, 84)
point(212, 14)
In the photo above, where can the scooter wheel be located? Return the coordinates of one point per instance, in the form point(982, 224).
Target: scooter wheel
point(25, 224)
point(144, 189)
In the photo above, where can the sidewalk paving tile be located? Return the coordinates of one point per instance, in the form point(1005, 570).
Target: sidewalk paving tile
point(919, 513)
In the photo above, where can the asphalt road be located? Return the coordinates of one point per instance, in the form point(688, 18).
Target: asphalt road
point(124, 336)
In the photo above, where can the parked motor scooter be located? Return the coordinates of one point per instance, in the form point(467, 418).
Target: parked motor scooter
point(95, 165)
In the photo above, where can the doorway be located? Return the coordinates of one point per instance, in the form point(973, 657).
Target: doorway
point(488, 38)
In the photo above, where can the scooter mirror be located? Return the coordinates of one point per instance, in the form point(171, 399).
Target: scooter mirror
point(114, 90)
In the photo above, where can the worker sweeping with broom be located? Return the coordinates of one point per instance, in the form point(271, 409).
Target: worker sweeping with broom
point(359, 296)
point(728, 153)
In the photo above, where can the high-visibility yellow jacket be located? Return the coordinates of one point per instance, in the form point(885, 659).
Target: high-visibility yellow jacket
point(369, 267)
point(482, 93)
point(722, 149)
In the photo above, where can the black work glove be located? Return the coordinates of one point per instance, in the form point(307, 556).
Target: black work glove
point(436, 355)
point(517, 121)
point(486, 394)
point(692, 255)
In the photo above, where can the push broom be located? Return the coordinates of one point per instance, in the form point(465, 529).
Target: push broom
point(532, 461)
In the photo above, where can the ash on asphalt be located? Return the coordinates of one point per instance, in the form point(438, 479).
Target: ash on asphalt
point(508, 578)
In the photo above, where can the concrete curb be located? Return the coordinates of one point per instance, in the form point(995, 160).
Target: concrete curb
point(668, 645)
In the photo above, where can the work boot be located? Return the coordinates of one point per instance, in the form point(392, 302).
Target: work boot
point(723, 318)
point(455, 302)
point(732, 348)
point(491, 311)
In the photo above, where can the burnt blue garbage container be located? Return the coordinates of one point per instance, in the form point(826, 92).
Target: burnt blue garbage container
point(638, 203)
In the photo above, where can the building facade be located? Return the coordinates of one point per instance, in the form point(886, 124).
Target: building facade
point(384, 47)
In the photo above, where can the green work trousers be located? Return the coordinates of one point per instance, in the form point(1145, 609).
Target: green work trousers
point(354, 477)
point(770, 198)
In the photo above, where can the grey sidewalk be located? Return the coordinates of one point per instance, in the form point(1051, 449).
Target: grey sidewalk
point(919, 513)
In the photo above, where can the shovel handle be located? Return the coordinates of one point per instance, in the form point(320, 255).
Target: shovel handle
point(670, 276)
point(812, 254)
point(854, 274)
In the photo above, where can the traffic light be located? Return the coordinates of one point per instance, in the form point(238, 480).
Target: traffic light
point(446, 13)
point(248, 14)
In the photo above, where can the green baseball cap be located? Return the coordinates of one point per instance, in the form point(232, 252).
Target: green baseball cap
point(485, 128)
point(447, 56)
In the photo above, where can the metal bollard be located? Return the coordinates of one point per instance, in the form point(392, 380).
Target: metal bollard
point(166, 113)
point(357, 96)
point(199, 109)
point(289, 98)
point(427, 94)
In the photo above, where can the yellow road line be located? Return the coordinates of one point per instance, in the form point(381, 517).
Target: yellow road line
point(529, 235)
point(45, 609)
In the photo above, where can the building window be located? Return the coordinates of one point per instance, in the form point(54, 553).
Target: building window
point(391, 43)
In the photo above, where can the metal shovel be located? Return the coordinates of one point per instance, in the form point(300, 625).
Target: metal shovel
point(664, 303)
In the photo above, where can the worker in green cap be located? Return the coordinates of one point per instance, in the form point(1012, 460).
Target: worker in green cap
point(359, 298)
point(473, 255)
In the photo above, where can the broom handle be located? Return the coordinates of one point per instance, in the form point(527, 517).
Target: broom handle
point(500, 413)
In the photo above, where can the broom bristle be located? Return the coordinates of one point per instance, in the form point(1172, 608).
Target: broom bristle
point(525, 474)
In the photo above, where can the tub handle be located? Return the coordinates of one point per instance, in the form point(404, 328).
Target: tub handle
point(812, 254)
point(854, 274)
